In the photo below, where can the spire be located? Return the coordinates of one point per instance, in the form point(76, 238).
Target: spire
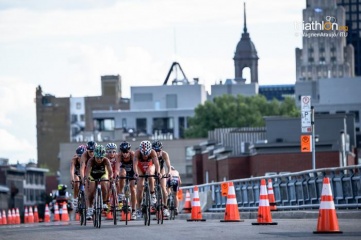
point(245, 22)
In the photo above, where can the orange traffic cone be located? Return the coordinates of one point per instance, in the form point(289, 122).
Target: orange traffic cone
point(13, 213)
point(47, 214)
point(196, 207)
point(232, 213)
point(26, 215)
point(109, 216)
point(18, 221)
point(124, 215)
point(77, 216)
point(4, 221)
point(187, 205)
point(180, 195)
point(31, 215)
point(271, 196)
point(64, 214)
point(264, 212)
point(327, 219)
point(36, 214)
point(10, 217)
point(56, 212)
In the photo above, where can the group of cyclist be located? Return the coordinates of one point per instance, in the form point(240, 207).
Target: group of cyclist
point(94, 161)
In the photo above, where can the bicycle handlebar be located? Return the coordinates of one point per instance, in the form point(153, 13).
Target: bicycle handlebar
point(126, 177)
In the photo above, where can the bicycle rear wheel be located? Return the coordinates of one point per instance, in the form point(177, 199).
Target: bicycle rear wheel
point(82, 208)
point(160, 207)
point(95, 211)
point(114, 204)
point(172, 207)
point(126, 205)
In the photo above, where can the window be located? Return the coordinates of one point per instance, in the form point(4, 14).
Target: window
point(82, 118)
point(171, 101)
point(124, 123)
point(78, 105)
point(143, 97)
point(104, 124)
point(74, 118)
point(189, 153)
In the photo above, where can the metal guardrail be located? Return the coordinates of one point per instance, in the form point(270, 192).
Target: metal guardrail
point(300, 190)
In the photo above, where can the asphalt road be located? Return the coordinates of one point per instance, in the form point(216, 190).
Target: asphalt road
point(180, 229)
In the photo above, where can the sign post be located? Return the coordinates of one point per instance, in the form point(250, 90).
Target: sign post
point(308, 127)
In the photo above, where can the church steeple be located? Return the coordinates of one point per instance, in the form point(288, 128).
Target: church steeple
point(245, 20)
point(245, 55)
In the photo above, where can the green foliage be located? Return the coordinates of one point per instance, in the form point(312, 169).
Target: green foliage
point(230, 111)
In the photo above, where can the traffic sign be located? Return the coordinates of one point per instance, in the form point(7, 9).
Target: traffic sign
point(305, 103)
point(305, 120)
point(306, 143)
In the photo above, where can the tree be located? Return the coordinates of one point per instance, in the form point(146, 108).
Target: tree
point(230, 111)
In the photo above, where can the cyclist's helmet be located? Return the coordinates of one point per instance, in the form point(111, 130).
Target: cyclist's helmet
point(124, 147)
point(145, 147)
point(99, 151)
point(91, 145)
point(157, 146)
point(111, 146)
point(80, 150)
point(62, 187)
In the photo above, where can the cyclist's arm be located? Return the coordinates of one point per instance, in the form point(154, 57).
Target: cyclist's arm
point(135, 165)
point(167, 161)
point(109, 168)
point(82, 165)
point(89, 167)
point(155, 162)
point(72, 163)
point(117, 166)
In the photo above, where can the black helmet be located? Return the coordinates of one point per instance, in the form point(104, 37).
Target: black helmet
point(80, 150)
point(124, 147)
point(157, 146)
point(91, 145)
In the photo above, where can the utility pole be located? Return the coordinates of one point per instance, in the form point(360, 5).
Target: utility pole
point(313, 141)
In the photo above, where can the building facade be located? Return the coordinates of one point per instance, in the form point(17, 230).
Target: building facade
point(353, 22)
point(65, 119)
point(323, 56)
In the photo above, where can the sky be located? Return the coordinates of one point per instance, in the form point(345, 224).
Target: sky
point(66, 46)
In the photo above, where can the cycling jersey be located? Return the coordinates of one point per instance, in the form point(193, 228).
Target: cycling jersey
point(161, 162)
point(76, 162)
point(144, 164)
point(127, 165)
point(173, 182)
point(98, 171)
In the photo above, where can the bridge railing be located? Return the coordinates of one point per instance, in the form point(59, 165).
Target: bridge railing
point(299, 190)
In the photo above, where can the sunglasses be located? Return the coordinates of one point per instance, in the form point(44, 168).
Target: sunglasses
point(111, 151)
point(90, 151)
point(157, 150)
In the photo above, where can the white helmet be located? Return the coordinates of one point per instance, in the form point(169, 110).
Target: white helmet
point(145, 147)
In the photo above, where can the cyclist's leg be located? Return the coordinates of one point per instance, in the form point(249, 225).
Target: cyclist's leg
point(151, 171)
point(121, 182)
point(105, 188)
point(174, 189)
point(163, 184)
point(90, 190)
point(133, 196)
point(76, 185)
point(140, 183)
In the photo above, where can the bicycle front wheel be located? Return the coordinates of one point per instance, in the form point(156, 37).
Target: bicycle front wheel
point(114, 204)
point(146, 212)
point(100, 207)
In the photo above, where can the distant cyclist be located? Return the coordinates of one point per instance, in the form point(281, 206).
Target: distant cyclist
point(124, 166)
point(111, 154)
point(164, 160)
point(145, 162)
point(98, 167)
point(173, 183)
point(75, 172)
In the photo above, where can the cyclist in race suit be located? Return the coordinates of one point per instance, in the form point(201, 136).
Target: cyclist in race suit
point(111, 154)
point(173, 183)
point(89, 153)
point(75, 172)
point(145, 162)
point(98, 167)
point(163, 159)
point(124, 166)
